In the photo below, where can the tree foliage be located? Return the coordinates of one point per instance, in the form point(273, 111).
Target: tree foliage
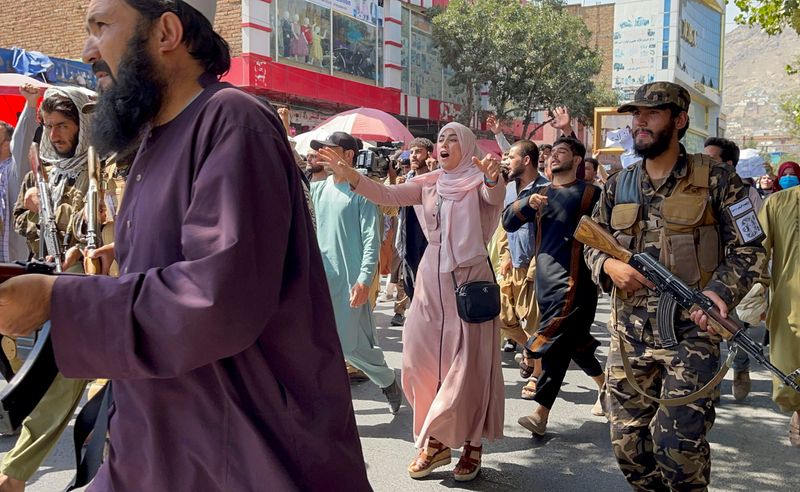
point(535, 56)
point(772, 15)
point(790, 104)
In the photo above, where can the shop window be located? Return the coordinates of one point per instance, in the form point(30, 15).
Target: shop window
point(354, 47)
point(404, 51)
point(303, 34)
point(425, 64)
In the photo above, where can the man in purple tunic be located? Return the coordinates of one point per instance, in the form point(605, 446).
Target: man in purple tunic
point(220, 272)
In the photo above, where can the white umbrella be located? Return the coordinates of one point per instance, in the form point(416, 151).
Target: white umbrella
point(11, 82)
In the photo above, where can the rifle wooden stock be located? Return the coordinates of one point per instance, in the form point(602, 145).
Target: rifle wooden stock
point(10, 270)
point(593, 235)
point(725, 327)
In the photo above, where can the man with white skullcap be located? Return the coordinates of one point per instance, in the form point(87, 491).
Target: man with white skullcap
point(219, 273)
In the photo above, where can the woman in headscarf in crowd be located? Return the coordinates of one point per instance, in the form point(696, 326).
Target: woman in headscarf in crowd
point(788, 176)
point(451, 369)
point(765, 185)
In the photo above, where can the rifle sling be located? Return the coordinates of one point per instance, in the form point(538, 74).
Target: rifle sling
point(92, 420)
point(677, 401)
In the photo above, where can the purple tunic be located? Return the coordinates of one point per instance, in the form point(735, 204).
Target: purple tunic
point(219, 335)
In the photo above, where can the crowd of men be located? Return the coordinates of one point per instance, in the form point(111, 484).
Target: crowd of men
point(695, 221)
point(209, 278)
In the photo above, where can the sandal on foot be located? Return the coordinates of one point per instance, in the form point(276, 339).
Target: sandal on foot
point(432, 457)
point(468, 467)
point(794, 430)
point(529, 390)
point(533, 424)
point(525, 370)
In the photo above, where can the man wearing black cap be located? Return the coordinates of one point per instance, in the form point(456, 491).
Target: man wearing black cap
point(349, 239)
point(219, 273)
point(687, 210)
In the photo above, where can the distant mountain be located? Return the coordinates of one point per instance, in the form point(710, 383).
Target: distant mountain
point(755, 80)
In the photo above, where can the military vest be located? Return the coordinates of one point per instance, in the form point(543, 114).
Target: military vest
point(684, 228)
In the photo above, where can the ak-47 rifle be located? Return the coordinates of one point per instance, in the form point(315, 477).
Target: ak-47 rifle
point(94, 198)
point(24, 391)
point(667, 284)
point(48, 231)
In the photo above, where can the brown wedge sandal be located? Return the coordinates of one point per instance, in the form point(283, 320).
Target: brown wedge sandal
point(468, 467)
point(432, 457)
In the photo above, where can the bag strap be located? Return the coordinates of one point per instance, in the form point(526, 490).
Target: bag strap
point(491, 268)
point(543, 191)
point(680, 400)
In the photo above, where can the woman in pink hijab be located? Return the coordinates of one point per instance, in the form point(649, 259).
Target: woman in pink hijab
point(451, 369)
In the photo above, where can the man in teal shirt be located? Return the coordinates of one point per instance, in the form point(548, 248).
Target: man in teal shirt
point(349, 239)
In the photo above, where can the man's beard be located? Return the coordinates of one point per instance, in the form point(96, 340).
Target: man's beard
point(132, 101)
point(512, 174)
point(659, 145)
point(315, 168)
point(71, 152)
point(565, 168)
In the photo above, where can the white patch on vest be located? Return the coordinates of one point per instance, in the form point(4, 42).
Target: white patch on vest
point(748, 226)
point(741, 207)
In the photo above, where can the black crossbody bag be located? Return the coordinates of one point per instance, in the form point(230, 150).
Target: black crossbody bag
point(478, 301)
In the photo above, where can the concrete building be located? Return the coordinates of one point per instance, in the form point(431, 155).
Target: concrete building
point(675, 40)
point(599, 19)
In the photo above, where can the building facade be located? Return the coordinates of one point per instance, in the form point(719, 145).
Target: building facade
point(317, 56)
point(324, 56)
point(679, 41)
point(320, 57)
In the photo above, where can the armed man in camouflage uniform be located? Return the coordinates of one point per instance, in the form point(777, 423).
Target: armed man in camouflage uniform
point(64, 146)
point(63, 151)
point(694, 215)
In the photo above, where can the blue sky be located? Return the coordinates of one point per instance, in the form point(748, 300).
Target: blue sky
point(731, 11)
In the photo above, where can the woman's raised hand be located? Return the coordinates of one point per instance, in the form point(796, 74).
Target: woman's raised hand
point(337, 166)
point(490, 166)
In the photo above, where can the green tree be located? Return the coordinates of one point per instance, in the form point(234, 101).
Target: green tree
point(535, 56)
point(459, 32)
point(790, 104)
point(772, 15)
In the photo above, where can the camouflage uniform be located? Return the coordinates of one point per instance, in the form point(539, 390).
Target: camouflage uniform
point(67, 210)
point(659, 447)
point(42, 429)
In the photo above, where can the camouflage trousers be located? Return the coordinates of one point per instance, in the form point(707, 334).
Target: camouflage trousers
point(660, 448)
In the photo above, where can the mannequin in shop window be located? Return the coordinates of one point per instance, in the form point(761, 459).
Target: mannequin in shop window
point(305, 31)
point(316, 45)
point(299, 43)
point(286, 34)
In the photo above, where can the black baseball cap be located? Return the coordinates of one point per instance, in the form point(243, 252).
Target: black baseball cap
point(337, 139)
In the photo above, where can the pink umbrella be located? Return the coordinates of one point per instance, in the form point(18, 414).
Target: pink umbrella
point(486, 146)
point(368, 124)
point(11, 82)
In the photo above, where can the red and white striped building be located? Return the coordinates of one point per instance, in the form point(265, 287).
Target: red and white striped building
point(324, 56)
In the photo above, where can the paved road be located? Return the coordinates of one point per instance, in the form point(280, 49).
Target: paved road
point(749, 441)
